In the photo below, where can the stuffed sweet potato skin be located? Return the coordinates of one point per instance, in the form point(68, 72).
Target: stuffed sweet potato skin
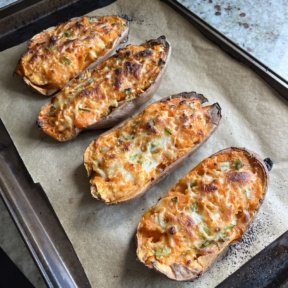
point(58, 54)
point(126, 161)
point(205, 212)
point(103, 96)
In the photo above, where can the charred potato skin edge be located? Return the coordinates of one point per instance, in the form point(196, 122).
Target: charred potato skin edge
point(258, 160)
point(216, 110)
point(48, 92)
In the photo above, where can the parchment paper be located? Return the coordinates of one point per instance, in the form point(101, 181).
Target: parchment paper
point(254, 116)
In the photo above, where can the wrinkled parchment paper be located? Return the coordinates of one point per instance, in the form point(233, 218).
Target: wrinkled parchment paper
point(254, 116)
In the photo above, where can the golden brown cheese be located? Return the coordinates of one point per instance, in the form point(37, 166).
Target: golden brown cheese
point(204, 212)
point(58, 54)
point(124, 161)
point(93, 95)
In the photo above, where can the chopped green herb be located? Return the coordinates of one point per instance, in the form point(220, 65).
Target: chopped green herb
point(134, 158)
point(193, 183)
point(168, 131)
point(194, 207)
point(84, 109)
point(238, 164)
point(93, 19)
point(90, 81)
point(162, 252)
point(128, 137)
point(66, 61)
point(153, 147)
point(174, 199)
point(128, 91)
point(51, 48)
point(79, 88)
point(104, 149)
point(230, 227)
point(206, 229)
point(223, 236)
point(119, 60)
point(206, 243)
point(68, 33)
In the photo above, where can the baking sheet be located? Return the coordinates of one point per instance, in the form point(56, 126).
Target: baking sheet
point(254, 116)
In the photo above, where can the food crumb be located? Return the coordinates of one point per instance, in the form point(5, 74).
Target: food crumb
point(228, 8)
point(132, 19)
point(245, 25)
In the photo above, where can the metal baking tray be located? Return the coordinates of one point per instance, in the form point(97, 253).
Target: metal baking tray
point(272, 78)
point(28, 204)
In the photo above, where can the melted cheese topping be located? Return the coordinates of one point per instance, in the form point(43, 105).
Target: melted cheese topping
point(209, 207)
point(96, 93)
point(123, 162)
point(57, 55)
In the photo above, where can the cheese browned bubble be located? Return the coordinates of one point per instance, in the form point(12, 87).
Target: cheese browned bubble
point(58, 54)
point(97, 92)
point(203, 213)
point(123, 162)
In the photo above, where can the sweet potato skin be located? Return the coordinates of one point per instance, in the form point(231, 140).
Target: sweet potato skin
point(33, 44)
point(183, 273)
point(124, 108)
point(215, 117)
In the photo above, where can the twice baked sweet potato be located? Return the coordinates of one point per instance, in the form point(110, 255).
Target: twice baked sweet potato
point(103, 96)
point(58, 54)
point(127, 160)
point(205, 212)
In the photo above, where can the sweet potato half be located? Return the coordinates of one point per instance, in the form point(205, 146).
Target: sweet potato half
point(126, 161)
point(60, 53)
point(103, 96)
point(204, 213)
